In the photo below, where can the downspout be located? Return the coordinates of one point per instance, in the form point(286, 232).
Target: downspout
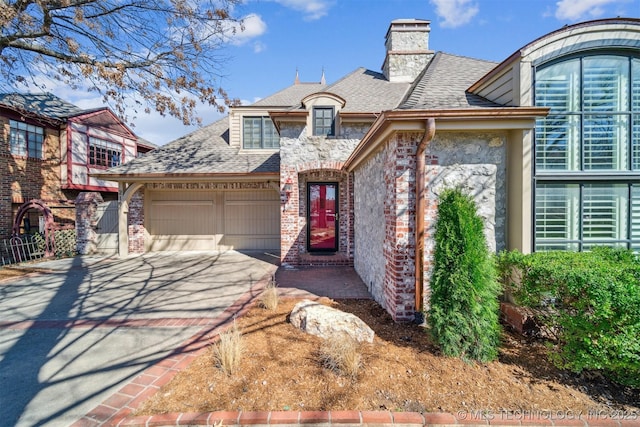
point(429, 132)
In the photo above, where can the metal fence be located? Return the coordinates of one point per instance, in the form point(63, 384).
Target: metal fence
point(31, 247)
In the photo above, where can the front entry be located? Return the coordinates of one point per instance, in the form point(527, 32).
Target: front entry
point(322, 217)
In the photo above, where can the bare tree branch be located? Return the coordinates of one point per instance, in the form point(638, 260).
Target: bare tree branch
point(165, 52)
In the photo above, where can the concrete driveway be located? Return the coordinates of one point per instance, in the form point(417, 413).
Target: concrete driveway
point(73, 335)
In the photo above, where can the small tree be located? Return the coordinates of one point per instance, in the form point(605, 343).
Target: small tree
point(464, 311)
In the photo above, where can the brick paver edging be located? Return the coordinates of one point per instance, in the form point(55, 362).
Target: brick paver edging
point(367, 418)
point(117, 410)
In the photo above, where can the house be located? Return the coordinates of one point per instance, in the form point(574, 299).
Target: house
point(49, 149)
point(348, 173)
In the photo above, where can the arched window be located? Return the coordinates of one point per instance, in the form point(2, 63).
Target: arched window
point(587, 153)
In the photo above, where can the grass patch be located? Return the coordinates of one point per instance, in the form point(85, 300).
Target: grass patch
point(341, 355)
point(269, 298)
point(227, 352)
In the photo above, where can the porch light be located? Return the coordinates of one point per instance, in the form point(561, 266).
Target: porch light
point(285, 194)
point(288, 187)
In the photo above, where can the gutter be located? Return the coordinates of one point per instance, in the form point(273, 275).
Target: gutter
point(429, 133)
point(182, 177)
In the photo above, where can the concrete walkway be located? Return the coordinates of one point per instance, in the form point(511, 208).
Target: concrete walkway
point(72, 337)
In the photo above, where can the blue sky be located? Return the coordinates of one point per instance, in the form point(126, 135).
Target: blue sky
point(338, 36)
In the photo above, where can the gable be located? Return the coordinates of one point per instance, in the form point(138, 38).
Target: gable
point(104, 120)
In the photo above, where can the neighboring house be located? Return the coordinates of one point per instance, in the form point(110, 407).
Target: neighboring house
point(49, 149)
point(548, 143)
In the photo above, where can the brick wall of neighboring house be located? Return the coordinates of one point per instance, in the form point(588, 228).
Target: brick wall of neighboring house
point(306, 159)
point(23, 179)
point(135, 223)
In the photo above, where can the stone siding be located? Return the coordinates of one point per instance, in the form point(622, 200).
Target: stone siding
point(369, 220)
point(86, 222)
point(466, 148)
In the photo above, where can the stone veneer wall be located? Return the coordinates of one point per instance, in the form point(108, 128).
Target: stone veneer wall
point(369, 224)
point(305, 159)
point(384, 203)
point(86, 221)
point(385, 225)
point(467, 148)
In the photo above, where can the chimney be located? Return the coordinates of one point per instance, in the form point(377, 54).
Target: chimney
point(407, 44)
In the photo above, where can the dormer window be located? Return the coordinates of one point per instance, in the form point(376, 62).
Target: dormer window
point(323, 121)
point(259, 132)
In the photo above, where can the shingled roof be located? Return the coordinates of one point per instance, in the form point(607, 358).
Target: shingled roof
point(444, 82)
point(290, 96)
point(368, 92)
point(205, 151)
point(45, 105)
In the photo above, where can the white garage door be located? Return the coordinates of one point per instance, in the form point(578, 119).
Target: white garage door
point(213, 220)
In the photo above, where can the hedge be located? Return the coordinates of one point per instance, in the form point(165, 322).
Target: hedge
point(592, 302)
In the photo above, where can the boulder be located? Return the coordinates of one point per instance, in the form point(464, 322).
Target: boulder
point(326, 322)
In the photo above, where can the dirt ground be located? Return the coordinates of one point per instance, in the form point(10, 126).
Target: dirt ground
point(402, 371)
point(8, 273)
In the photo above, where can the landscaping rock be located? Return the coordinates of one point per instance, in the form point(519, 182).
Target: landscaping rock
point(326, 322)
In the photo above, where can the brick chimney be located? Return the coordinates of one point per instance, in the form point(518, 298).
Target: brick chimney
point(407, 43)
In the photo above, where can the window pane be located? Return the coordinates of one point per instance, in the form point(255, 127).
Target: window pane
point(558, 87)
point(605, 142)
point(323, 121)
point(558, 143)
point(605, 212)
point(635, 216)
point(25, 139)
point(605, 84)
point(635, 142)
point(635, 108)
point(271, 137)
point(252, 132)
point(259, 132)
point(557, 136)
point(104, 153)
point(557, 215)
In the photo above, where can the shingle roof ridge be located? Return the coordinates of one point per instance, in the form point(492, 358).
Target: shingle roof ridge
point(467, 57)
point(346, 76)
point(451, 92)
point(261, 102)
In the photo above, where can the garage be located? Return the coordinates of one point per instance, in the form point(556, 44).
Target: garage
point(212, 220)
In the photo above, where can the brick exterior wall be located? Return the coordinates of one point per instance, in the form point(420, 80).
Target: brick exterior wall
point(305, 159)
point(399, 215)
point(23, 179)
point(135, 223)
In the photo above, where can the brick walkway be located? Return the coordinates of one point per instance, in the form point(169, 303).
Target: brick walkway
point(333, 282)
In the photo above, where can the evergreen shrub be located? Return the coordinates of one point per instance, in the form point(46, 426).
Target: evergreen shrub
point(464, 309)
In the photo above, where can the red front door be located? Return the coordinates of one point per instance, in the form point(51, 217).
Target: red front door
point(322, 217)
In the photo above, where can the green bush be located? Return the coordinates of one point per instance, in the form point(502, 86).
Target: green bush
point(464, 312)
point(591, 300)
